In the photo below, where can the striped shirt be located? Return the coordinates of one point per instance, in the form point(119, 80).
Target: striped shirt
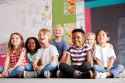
point(78, 55)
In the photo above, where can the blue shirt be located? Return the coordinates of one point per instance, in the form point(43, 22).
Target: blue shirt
point(61, 47)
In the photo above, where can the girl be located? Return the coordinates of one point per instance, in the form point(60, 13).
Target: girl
point(32, 45)
point(91, 41)
point(105, 56)
point(15, 59)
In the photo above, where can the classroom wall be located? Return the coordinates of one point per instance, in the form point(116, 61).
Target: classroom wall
point(111, 19)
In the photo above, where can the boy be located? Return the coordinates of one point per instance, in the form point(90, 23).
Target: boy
point(47, 59)
point(79, 54)
point(58, 41)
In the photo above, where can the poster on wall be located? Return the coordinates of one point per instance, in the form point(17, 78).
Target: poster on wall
point(80, 14)
point(75, 7)
point(69, 7)
point(68, 27)
point(23, 16)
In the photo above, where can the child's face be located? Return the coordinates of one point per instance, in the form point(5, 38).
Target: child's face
point(15, 40)
point(78, 39)
point(90, 39)
point(31, 44)
point(58, 32)
point(102, 37)
point(43, 37)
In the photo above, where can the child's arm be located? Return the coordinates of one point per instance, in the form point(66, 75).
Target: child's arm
point(65, 58)
point(37, 65)
point(6, 64)
point(112, 57)
point(89, 57)
point(110, 62)
point(98, 62)
point(53, 52)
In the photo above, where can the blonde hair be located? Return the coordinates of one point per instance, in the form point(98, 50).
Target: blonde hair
point(91, 34)
point(45, 31)
point(58, 26)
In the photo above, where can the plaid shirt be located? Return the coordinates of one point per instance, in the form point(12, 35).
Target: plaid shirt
point(14, 58)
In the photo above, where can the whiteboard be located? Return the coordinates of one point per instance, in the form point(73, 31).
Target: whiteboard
point(24, 16)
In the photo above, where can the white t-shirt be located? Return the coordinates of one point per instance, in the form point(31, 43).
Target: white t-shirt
point(104, 53)
point(45, 54)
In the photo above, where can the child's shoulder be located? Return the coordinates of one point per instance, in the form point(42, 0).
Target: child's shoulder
point(52, 46)
point(109, 45)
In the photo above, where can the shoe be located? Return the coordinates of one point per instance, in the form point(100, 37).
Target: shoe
point(58, 73)
point(92, 73)
point(30, 74)
point(77, 74)
point(101, 75)
point(47, 74)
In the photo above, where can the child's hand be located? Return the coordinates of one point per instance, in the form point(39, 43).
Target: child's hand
point(1, 75)
point(37, 68)
point(4, 74)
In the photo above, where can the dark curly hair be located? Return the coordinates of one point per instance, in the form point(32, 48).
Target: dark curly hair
point(36, 42)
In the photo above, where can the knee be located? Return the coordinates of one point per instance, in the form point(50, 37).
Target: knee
point(29, 67)
point(121, 66)
point(20, 69)
point(62, 65)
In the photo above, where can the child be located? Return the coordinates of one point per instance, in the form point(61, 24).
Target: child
point(47, 60)
point(15, 59)
point(79, 54)
point(105, 56)
point(58, 41)
point(32, 45)
point(91, 41)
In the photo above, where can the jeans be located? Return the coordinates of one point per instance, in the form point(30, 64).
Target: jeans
point(48, 69)
point(99, 68)
point(20, 69)
point(67, 71)
point(115, 70)
point(29, 67)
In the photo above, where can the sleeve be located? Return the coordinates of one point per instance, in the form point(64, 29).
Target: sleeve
point(65, 46)
point(54, 53)
point(38, 54)
point(97, 53)
point(112, 53)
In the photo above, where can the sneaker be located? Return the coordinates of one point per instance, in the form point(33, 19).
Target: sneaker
point(30, 74)
point(58, 73)
point(101, 75)
point(47, 74)
point(92, 73)
point(77, 74)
